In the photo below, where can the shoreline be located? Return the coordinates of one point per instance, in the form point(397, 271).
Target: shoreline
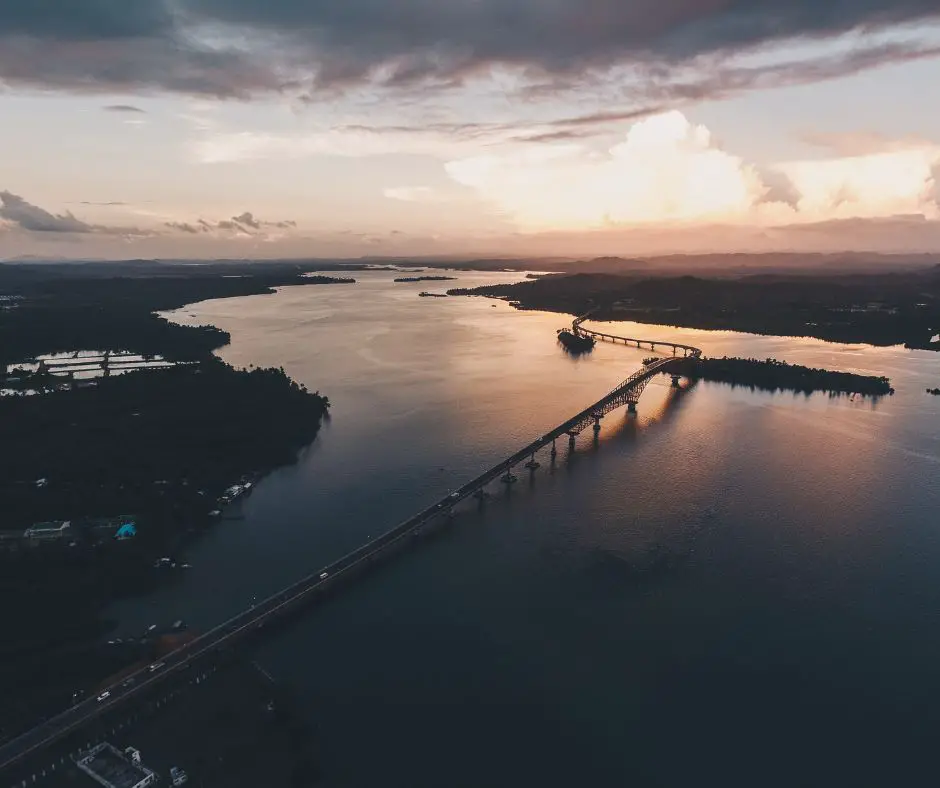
point(882, 311)
point(165, 444)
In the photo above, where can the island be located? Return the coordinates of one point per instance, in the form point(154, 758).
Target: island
point(900, 308)
point(111, 466)
point(773, 375)
point(426, 279)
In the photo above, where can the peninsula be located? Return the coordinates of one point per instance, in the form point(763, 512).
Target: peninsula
point(877, 309)
point(106, 472)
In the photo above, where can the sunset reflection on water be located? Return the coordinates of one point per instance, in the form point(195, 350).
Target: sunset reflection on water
point(727, 568)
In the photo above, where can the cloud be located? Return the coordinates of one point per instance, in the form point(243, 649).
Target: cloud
point(186, 227)
point(15, 211)
point(123, 108)
point(245, 224)
point(863, 143)
point(410, 193)
point(669, 171)
point(895, 182)
point(241, 48)
point(665, 169)
point(109, 204)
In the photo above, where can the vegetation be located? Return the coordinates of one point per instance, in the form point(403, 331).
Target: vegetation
point(882, 309)
point(161, 444)
point(773, 375)
point(103, 448)
point(65, 308)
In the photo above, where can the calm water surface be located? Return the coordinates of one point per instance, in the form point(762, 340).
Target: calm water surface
point(733, 588)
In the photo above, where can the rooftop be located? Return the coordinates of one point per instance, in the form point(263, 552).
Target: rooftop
point(107, 766)
point(48, 528)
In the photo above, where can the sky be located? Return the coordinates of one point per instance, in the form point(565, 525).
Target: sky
point(317, 128)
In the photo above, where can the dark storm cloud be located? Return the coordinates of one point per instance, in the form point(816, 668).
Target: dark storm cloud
point(238, 48)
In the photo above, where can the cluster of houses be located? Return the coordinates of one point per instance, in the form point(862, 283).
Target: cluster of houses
point(231, 494)
point(71, 532)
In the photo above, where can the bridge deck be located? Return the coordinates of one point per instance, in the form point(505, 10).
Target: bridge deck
point(240, 625)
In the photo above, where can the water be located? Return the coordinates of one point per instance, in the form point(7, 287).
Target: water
point(734, 588)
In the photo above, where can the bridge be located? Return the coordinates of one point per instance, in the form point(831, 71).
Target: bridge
point(222, 637)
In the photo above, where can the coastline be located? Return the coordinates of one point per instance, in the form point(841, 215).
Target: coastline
point(162, 444)
point(883, 311)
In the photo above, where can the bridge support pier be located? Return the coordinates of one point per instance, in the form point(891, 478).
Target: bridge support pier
point(571, 437)
point(631, 407)
point(597, 424)
point(554, 449)
point(675, 381)
point(532, 464)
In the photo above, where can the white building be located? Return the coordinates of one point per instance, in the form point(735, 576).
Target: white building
point(45, 532)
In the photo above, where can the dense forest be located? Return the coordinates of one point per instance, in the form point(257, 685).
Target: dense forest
point(882, 309)
point(103, 449)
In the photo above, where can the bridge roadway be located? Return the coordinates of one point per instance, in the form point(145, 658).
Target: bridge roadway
point(653, 344)
point(246, 622)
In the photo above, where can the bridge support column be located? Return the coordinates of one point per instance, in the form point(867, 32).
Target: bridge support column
point(554, 449)
point(631, 407)
point(532, 464)
point(597, 424)
point(675, 381)
point(571, 438)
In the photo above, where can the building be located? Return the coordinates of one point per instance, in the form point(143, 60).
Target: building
point(108, 766)
point(120, 527)
point(48, 532)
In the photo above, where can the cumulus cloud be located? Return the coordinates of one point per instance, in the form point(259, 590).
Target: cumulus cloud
point(667, 170)
point(238, 48)
point(863, 143)
point(867, 186)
